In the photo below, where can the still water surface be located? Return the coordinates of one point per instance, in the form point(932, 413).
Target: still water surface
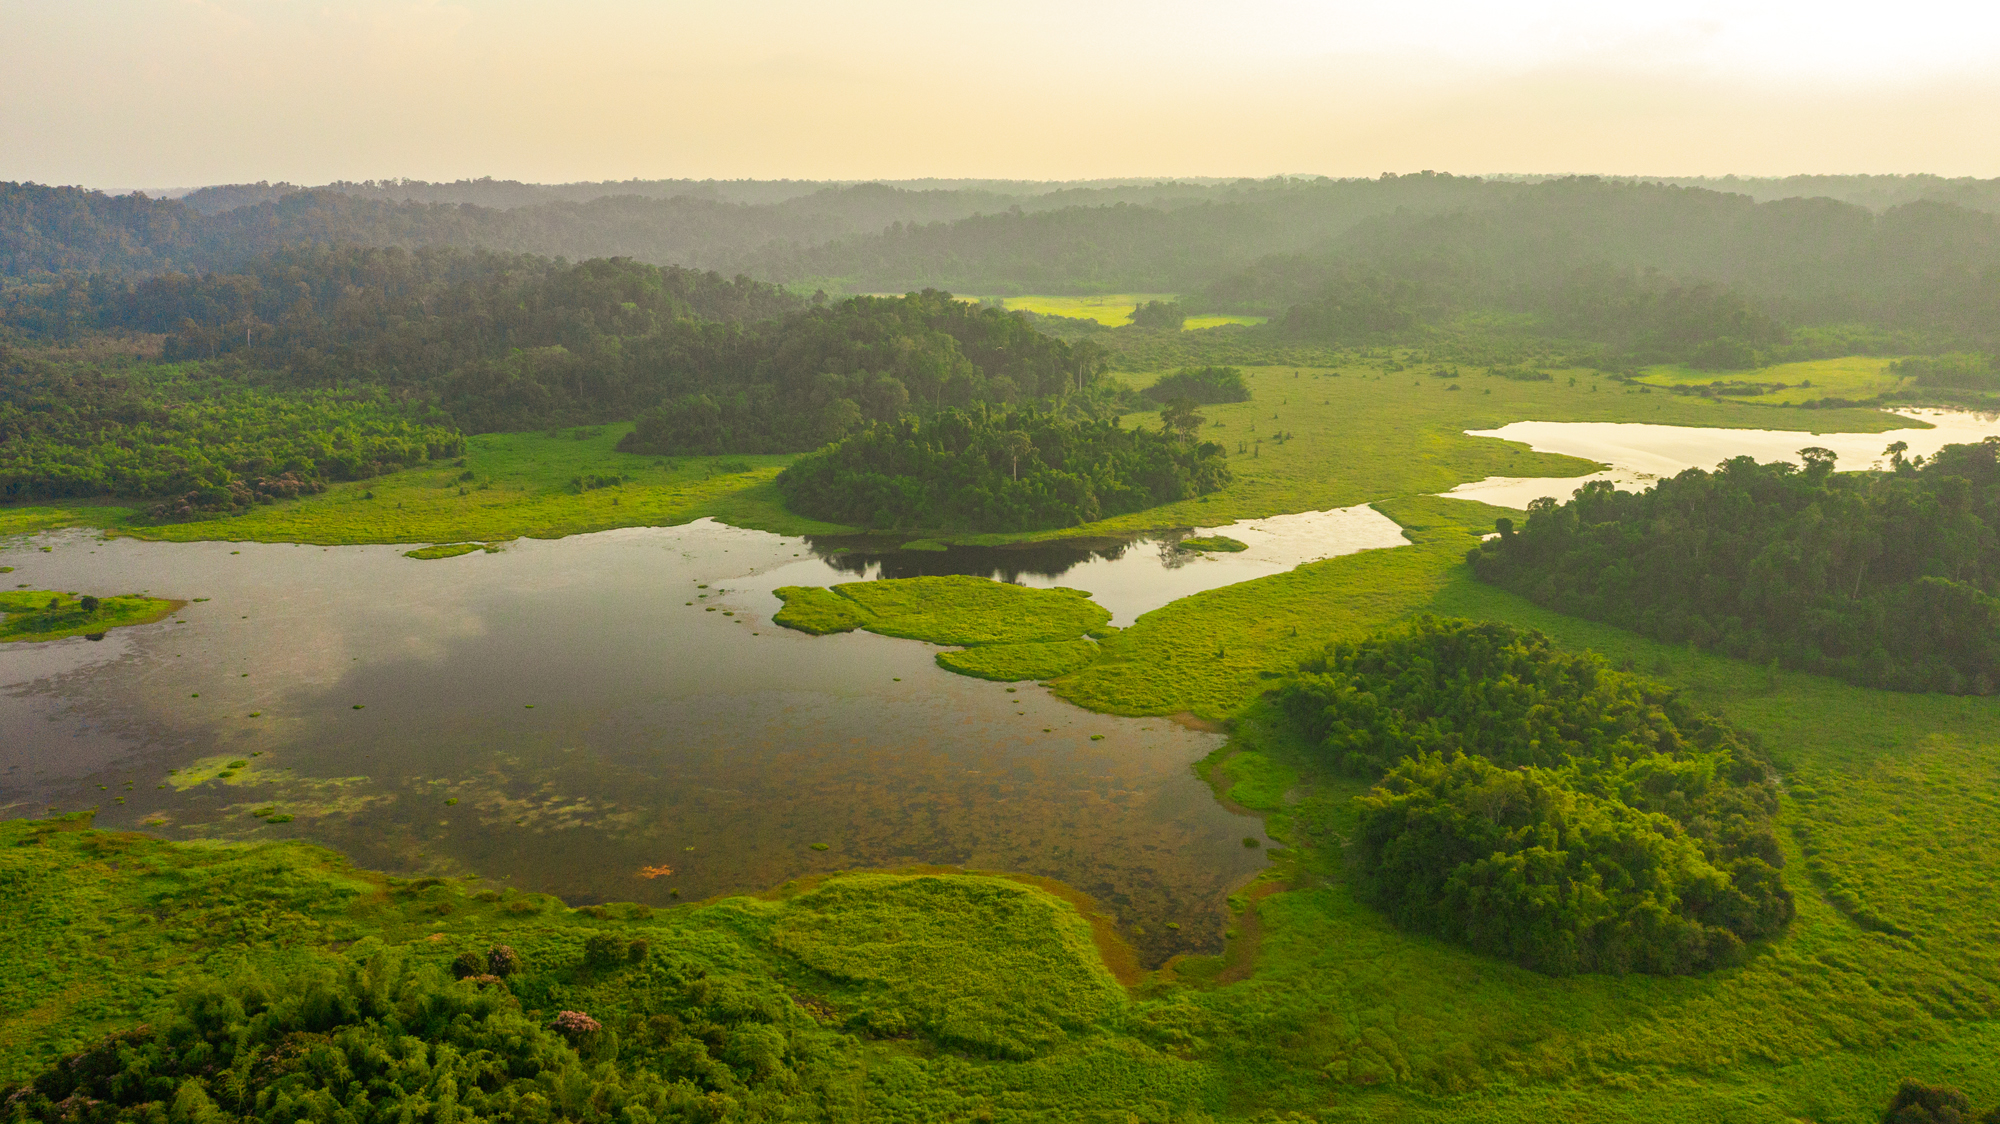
point(559, 717)
point(1640, 454)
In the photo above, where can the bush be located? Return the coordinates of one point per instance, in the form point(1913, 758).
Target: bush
point(1205, 385)
point(468, 964)
point(604, 950)
point(502, 961)
point(1166, 316)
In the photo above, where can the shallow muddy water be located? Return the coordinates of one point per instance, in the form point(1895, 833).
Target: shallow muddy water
point(557, 716)
point(1640, 454)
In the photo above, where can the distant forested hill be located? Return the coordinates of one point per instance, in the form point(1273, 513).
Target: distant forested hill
point(1654, 271)
point(44, 229)
point(505, 341)
point(1168, 245)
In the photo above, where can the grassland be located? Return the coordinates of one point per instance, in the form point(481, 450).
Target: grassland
point(1311, 439)
point(507, 486)
point(1855, 378)
point(927, 996)
point(1112, 310)
point(1891, 819)
point(45, 614)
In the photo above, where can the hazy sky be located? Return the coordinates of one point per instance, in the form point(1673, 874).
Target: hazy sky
point(142, 93)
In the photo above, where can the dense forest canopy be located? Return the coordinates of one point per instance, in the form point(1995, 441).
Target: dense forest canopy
point(821, 373)
point(515, 342)
point(1540, 806)
point(374, 1036)
point(1646, 272)
point(992, 471)
point(1658, 273)
point(69, 430)
point(1888, 579)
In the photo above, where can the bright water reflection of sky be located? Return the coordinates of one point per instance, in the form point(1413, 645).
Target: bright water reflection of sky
point(140, 92)
point(1638, 454)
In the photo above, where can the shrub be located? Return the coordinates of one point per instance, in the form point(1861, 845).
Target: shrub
point(603, 950)
point(1205, 385)
point(502, 961)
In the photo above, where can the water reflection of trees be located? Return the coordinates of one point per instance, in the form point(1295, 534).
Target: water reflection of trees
point(1048, 561)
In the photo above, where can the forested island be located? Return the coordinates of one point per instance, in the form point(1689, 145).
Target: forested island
point(1003, 472)
point(1543, 807)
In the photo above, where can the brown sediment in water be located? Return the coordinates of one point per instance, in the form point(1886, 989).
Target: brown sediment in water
point(1192, 721)
point(1239, 955)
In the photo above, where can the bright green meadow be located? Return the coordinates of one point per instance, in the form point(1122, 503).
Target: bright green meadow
point(1113, 310)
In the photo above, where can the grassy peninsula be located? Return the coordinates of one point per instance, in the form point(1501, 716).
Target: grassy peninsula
point(45, 614)
point(1004, 632)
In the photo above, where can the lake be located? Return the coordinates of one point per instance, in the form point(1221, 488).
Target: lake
point(559, 717)
point(1639, 454)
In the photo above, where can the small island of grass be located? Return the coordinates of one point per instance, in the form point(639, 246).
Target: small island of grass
point(450, 550)
point(1208, 543)
point(43, 614)
point(1007, 632)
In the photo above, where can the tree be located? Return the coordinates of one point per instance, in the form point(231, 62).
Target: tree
point(1180, 416)
point(1165, 315)
point(1018, 445)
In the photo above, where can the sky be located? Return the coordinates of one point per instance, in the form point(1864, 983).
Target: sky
point(166, 93)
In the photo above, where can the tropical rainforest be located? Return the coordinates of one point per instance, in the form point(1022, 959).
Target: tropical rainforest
point(1667, 805)
point(1540, 806)
point(1013, 471)
point(1885, 579)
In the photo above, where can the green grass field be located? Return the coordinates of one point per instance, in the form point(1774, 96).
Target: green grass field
point(1112, 310)
point(511, 485)
point(1855, 378)
point(1359, 433)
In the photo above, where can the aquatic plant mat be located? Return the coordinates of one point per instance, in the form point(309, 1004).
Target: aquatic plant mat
point(1007, 632)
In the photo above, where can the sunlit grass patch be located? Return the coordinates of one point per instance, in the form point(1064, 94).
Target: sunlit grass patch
point(818, 610)
point(515, 485)
point(1204, 544)
point(1012, 662)
point(1854, 378)
point(1110, 309)
point(1009, 632)
point(45, 614)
